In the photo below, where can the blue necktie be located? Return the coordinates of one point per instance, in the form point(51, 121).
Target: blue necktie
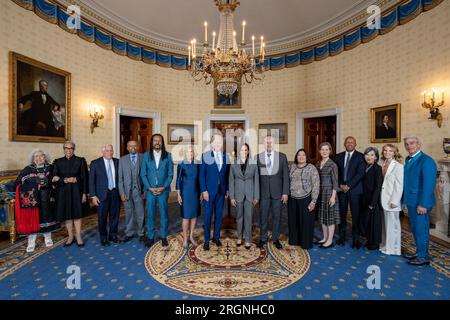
point(347, 160)
point(110, 176)
point(133, 159)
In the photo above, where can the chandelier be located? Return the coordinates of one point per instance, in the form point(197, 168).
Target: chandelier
point(225, 62)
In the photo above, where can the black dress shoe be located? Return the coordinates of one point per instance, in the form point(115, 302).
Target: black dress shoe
point(114, 239)
point(419, 262)
point(340, 242)
point(261, 244)
point(356, 244)
point(278, 244)
point(149, 242)
point(206, 246)
point(127, 239)
point(142, 239)
point(105, 243)
point(217, 242)
point(409, 256)
point(164, 242)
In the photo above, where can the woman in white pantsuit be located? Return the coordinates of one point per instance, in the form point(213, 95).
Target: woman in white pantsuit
point(391, 196)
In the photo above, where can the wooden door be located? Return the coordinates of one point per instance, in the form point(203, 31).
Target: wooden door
point(316, 131)
point(233, 137)
point(138, 129)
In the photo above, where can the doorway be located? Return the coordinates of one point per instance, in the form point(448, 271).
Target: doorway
point(316, 131)
point(137, 129)
point(236, 135)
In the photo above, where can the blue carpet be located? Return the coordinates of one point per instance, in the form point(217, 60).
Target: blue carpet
point(119, 272)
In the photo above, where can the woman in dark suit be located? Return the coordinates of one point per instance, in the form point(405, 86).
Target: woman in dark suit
point(189, 196)
point(244, 193)
point(371, 210)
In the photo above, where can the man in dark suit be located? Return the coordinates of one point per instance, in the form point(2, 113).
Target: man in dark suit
point(37, 120)
point(103, 190)
point(213, 178)
point(351, 167)
point(274, 184)
point(384, 131)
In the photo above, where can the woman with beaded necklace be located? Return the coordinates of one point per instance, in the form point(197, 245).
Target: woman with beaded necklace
point(35, 192)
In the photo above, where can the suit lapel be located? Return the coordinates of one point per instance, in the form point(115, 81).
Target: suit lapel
point(391, 167)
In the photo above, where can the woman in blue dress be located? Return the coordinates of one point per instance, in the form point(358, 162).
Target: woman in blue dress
point(189, 196)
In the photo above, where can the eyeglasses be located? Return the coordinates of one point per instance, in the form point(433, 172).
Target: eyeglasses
point(67, 148)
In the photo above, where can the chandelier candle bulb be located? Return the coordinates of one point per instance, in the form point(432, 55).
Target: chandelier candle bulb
point(214, 41)
point(260, 46)
point(206, 31)
point(243, 32)
point(189, 56)
point(234, 40)
point(253, 46)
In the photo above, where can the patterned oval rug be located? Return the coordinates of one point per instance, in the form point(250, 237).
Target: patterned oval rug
point(228, 271)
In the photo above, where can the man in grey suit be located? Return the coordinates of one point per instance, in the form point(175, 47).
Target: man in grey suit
point(274, 182)
point(131, 192)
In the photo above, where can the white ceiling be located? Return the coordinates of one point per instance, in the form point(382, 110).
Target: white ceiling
point(178, 21)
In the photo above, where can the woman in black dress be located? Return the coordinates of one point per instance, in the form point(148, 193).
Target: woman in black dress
point(371, 210)
point(70, 175)
point(36, 178)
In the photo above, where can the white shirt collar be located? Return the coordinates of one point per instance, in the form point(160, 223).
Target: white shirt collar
point(415, 154)
point(349, 153)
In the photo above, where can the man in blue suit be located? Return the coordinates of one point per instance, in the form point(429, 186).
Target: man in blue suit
point(418, 196)
point(214, 170)
point(351, 167)
point(103, 190)
point(157, 175)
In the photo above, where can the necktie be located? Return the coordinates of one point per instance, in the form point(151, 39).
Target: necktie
point(133, 159)
point(347, 158)
point(110, 176)
point(269, 163)
point(44, 98)
point(218, 162)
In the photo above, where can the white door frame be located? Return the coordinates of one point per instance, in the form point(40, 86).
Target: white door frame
point(228, 117)
point(301, 116)
point(124, 111)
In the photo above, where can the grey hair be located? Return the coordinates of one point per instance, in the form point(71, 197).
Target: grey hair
point(34, 151)
point(42, 80)
point(412, 137)
point(69, 142)
point(107, 145)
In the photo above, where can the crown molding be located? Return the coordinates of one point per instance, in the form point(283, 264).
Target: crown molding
point(341, 23)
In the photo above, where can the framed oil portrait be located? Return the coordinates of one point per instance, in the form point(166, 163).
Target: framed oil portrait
point(277, 130)
point(227, 102)
point(39, 101)
point(385, 124)
point(181, 133)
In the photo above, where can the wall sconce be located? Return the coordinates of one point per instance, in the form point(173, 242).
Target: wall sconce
point(96, 114)
point(429, 102)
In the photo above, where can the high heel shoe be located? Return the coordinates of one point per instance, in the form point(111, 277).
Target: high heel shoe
point(326, 247)
point(68, 244)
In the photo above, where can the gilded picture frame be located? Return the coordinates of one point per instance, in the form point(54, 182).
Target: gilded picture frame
point(385, 124)
point(224, 102)
point(281, 137)
point(39, 101)
point(180, 134)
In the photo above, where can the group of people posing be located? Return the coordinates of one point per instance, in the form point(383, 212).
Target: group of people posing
point(49, 194)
